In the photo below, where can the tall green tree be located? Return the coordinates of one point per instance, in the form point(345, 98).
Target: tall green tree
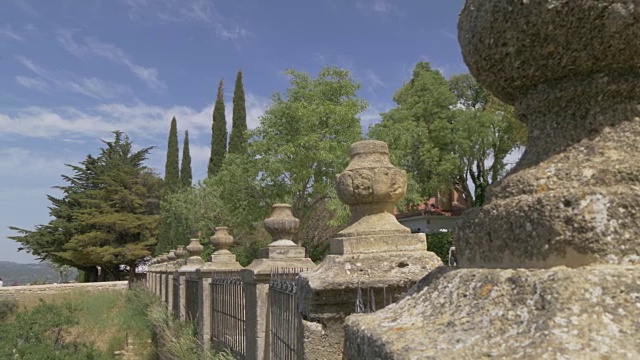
point(238, 138)
point(218, 133)
point(186, 177)
point(171, 166)
point(108, 215)
point(304, 137)
point(447, 133)
point(302, 142)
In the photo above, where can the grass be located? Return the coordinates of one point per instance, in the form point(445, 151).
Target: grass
point(97, 324)
point(178, 338)
point(108, 320)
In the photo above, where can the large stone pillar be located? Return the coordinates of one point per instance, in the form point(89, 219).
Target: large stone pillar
point(550, 262)
point(374, 252)
point(281, 254)
point(221, 260)
point(188, 272)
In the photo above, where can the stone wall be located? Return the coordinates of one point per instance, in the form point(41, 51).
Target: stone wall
point(41, 290)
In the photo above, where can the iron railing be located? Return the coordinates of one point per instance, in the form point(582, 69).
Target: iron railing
point(367, 303)
point(285, 321)
point(228, 312)
point(176, 296)
point(191, 298)
point(166, 288)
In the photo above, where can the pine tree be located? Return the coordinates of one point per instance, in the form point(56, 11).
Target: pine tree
point(172, 167)
point(186, 176)
point(108, 215)
point(238, 140)
point(218, 134)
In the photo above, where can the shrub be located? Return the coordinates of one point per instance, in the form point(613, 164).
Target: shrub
point(440, 243)
point(7, 307)
point(39, 334)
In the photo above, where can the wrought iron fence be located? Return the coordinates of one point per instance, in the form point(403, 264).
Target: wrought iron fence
point(176, 296)
point(367, 303)
point(191, 298)
point(166, 288)
point(228, 312)
point(285, 321)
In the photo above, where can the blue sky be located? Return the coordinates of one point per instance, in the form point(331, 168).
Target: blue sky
point(73, 71)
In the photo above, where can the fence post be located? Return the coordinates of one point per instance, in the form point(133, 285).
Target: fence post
point(170, 268)
point(374, 250)
point(187, 273)
point(161, 276)
point(281, 253)
point(221, 260)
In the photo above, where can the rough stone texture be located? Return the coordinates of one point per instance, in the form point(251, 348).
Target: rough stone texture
point(371, 186)
point(375, 251)
point(559, 313)
point(327, 294)
point(571, 69)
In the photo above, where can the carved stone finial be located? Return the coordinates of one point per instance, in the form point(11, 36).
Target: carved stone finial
point(164, 258)
point(181, 253)
point(172, 256)
point(222, 240)
point(371, 186)
point(570, 69)
point(281, 225)
point(194, 249)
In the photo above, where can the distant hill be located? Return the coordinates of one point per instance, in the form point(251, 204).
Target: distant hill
point(23, 274)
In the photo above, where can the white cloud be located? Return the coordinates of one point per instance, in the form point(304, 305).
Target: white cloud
point(65, 81)
point(8, 33)
point(191, 11)
point(93, 46)
point(372, 114)
point(15, 161)
point(33, 83)
point(381, 7)
point(140, 119)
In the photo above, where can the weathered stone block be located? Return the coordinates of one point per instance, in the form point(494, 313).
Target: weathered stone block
point(559, 313)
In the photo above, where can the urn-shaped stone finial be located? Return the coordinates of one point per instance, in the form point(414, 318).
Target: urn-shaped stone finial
point(194, 249)
point(371, 186)
point(282, 225)
point(181, 253)
point(172, 256)
point(164, 258)
point(222, 240)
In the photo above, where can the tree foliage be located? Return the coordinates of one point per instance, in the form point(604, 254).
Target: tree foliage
point(107, 216)
point(186, 176)
point(302, 142)
point(218, 133)
point(446, 132)
point(238, 137)
point(172, 167)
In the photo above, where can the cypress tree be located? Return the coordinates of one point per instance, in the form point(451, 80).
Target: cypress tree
point(185, 167)
point(172, 167)
point(238, 140)
point(218, 134)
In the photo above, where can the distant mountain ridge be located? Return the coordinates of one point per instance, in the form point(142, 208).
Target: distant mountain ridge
point(22, 274)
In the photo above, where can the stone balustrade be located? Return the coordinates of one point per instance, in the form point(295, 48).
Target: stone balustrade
point(257, 312)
